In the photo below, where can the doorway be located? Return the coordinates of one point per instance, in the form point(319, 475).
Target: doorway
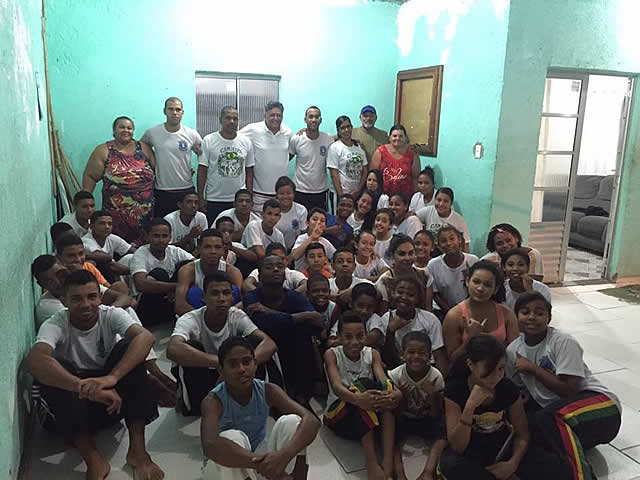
point(580, 150)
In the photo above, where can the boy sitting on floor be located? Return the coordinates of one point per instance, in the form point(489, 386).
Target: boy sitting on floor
point(83, 205)
point(187, 223)
point(234, 421)
point(197, 336)
point(90, 379)
point(293, 279)
point(361, 397)
point(317, 262)
point(420, 412)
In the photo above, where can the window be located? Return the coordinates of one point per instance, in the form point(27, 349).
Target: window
point(418, 95)
point(248, 93)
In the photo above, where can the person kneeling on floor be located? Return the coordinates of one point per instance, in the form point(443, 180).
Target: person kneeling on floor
point(90, 380)
point(234, 422)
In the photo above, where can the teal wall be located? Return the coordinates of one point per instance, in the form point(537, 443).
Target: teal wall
point(124, 58)
point(589, 35)
point(25, 216)
point(472, 48)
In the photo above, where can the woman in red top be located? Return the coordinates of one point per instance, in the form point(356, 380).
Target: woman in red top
point(398, 163)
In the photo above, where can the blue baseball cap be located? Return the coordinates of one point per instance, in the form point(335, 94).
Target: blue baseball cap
point(368, 108)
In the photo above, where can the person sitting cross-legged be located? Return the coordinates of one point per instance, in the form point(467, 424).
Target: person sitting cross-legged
point(260, 233)
point(288, 318)
point(187, 223)
point(234, 423)
point(197, 336)
point(90, 379)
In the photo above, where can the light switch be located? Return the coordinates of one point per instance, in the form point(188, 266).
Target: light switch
point(478, 150)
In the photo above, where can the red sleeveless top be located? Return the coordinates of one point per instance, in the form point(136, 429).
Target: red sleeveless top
point(396, 172)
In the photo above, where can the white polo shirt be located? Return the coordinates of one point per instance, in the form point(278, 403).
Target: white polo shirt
point(271, 155)
point(226, 161)
point(311, 162)
point(173, 156)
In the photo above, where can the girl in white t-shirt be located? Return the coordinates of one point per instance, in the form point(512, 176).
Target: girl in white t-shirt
point(404, 222)
point(515, 264)
point(293, 216)
point(346, 160)
point(362, 217)
point(426, 190)
point(441, 213)
point(368, 265)
point(373, 182)
point(425, 243)
point(383, 226)
point(505, 236)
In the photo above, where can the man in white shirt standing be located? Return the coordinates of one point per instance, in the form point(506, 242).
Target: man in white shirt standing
point(226, 157)
point(270, 141)
point(310, 149)
point(172, 144)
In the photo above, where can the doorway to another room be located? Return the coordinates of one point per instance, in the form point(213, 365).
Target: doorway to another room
point(580, 150)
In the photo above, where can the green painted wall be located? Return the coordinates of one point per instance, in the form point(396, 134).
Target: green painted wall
point(471, 44)
point(25, 216)
point(590, 35)
point(124, 58)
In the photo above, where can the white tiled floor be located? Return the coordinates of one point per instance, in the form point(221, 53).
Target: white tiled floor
point(606, 327)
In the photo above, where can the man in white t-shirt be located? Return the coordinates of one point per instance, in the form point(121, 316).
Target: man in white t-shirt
point(101, 246)
point(270, 141)
point(172, 145)
point(154, 269)
point(259, 234)
point(90, 379)
point(187, 223)
point(84, 205)
point(310, 149)
point(198, 334)
point(226, 157)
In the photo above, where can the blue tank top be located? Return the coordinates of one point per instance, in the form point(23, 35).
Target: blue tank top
point(250, 419)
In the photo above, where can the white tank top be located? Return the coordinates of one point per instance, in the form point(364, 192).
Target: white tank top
point(350, 371)
point(199, 282)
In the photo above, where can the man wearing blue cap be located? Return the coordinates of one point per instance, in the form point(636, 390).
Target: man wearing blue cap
point(368, 135)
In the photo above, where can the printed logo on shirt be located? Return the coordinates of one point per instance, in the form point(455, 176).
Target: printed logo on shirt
point(182, 146)
point(393, 175)
point(295, 224)
point(354, 166)
point(488, 422)
point(230, 162)
point(547, 364)
point(323, 151)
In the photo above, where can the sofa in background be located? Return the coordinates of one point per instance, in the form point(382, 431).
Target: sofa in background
point(590, 215)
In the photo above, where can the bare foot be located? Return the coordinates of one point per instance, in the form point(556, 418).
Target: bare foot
point(97, 468)
point(144, 468)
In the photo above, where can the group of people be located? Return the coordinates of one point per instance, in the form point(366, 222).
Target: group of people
point(378, 307)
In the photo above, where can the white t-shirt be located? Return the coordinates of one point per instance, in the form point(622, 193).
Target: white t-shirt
point(423, 321)
point(349, 161)
point(349, 370)
point(355, 224)
point(418, 402)
point(292, 278)
point(372, 268)
point(383, 201)
point(85, 349)
point(381, 284)
point(231, 213)
point(417, 202)
point(449, 282)
point(112, 244)
point(372, 323)
point(410, 226)
point(560, 354)
point(311, 162)
point(173, 155)
point(179, 230)
point(382, 247)
point(144, 261)
point(254, 235)
point(232, 258)
point(433, 221)
point(226, 161)
point(70, 219)
point(271, 154)
point(291, 223)
point(511, 296)
point(192, 326)
point(329, 250)
point(354, 281)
